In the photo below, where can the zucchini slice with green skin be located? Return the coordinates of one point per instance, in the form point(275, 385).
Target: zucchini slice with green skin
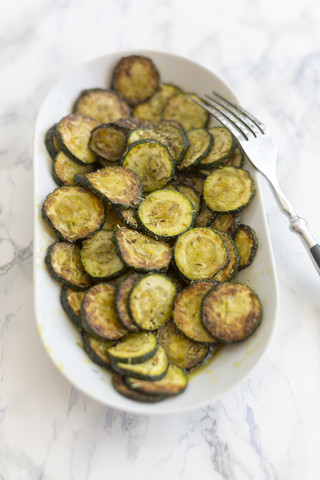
point(152, 163)
point(187, 312)
point(103, 105)
point(99, 256)
point(134, 348)
point(73, 212)
point(141, 252)
point(64, 265)
point(98, 315)
point(51, 141)
point(205, 216)
point(231, 312)
point(152, 369)
point(173, 383)
point(150, 301)
point(200, 144)
point(184, 110)
point(129, 217)
point(236, 158)
point(144, 133)
point(200, 253)
point(151, 110)
point(166, 213)
point(228, 272)
point(121, 301)
point(71, 303)
point(135, 78)
point(222, 147)
point(190, 193)
point(64, 169)
point(109, 141)
point(73, 134)
point(246, 242)
point(228, 222)
point(119, 384)
point(177, 137)
point(96, 349)
point(181, 351)
point(113, 219)
point(119, 186)
point(228, 189)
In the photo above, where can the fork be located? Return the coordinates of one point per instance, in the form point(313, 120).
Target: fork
point(259, 147)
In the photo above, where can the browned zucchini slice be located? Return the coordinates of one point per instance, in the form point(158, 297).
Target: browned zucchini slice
point(109, 141)
point(140, 251)
point(173, 383)
point(187, 312)
point(144, 133)
point(194, 181)
point(119, 186)
point(103, 105)
point(98, 315)
point(236, 158)
point(201, 141)
point(150, 301)
point(73, 212)
point(231, 312)
point(152, 163)
point(190, 193)
point(64, 169)
point(135, 78)
point(134, 348)
point(71, 303)
point(151, 110)
point(181, 350)
point(121, 387)
point(246, 242)
point(64, 265)
point(99, 256)
point(121, 301)
point(73, 134)
point(205, 216)
point(177, 137)
point(97, 349)
point(231, 269)
point(51, 141)
point(222, 147)
point(113, 220)
point(228, 189)
point(182, 109)
point(227, 222)
point(129, 217)
point(166, 213)
point(200, 253)
point(152, 369)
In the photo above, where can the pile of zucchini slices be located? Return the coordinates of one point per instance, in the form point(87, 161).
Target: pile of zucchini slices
point(148, 218)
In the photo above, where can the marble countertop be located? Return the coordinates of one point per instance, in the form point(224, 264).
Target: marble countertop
point(269, 427)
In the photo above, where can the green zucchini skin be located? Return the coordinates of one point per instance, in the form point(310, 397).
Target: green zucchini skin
point(71, 307)
point(51, 142)
point(109, 141)
point(121, 301)
point(96, 350)
point(195, 151)
point(120, 385)
point(64, 169)
point(228, 272)
point(246, 242)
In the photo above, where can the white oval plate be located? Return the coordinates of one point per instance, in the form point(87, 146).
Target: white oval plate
point(60, 338)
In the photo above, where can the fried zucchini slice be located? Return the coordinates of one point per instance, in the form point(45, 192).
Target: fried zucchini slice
point(177, 137)
point(144, 133)
point(205, 216)
point(109, 141)
point(64, 169)
point(51, 141)
point(119, 186)
point(99, 256)
point(113, 220)
point(121, 301)
point(152, 163)
point(231, 312)
point(236, 158)
point(150, 301)
point(103, 105)
point(151, 110)
point(134, 348)
point(140, 251)
point(152, 369)
point(173, 383)
point(73, 212)
point(200, 253)
point(228, 189)
point(135, 78)
point(129, 217)
point(187, 312)
point(73, 134)
point(181, 351)
point(166, 213)
point(191, 194)
point(222, 147)
point(64, 265)
point(184, 110)
point(98, 315)
point(194, 181)
point(121, 387)
point(246, 242)
point(228, 222)
point(71, 303)
point(97, 349)
point(201, 141)
point(231, 269)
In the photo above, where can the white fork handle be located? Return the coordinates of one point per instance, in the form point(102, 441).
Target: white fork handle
point(298, 225)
